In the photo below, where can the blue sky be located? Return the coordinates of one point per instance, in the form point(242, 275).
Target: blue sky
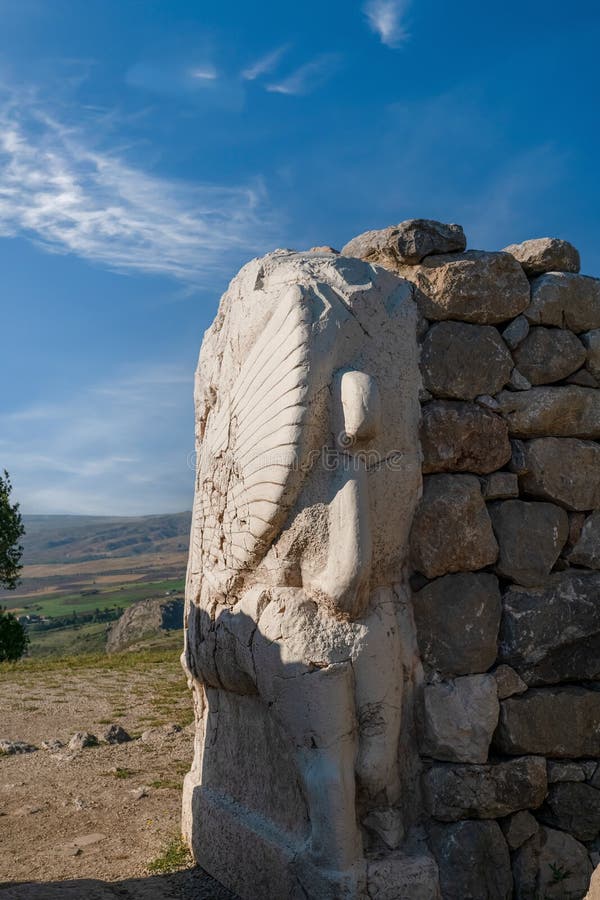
point(148, 149)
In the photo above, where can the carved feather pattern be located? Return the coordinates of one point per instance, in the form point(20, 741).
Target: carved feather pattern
point(248, 474)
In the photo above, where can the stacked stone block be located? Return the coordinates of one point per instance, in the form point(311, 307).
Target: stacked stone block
point(506, 559)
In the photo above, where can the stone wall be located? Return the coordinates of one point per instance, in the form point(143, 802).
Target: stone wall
point(505, 553)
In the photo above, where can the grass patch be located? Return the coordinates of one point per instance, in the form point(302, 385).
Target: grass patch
point(166, 784)
point(119, 662)
point(174, 858)
point(117, 772)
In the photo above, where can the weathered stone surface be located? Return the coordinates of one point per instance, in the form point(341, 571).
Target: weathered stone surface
point(404, 878)
point(10, 748)
point(500, 486)
point(451, 530)
point(454, 792)
point(594, 888)
point(115, 734)
point(462, 437)
point(564, 470)
point(530, 536)
point(545, 255)
point(144, 618)
point(409, 242)
point(473, 861)
point(479, 287)
point(591, 342)
point(461, 361)
point(551, 634)
point(586, 551)
point(459, 719)
point(564, 771)
point(518, 382)
point(457, 619)
point(549, 354)
point(583, 378)
point(573, 807)
point(518, 828)
point(564, 411)
point(82, 739)
point(565, 301)
point(516, 332)
point(508, 682)
point(559, 722)
point(551, 865)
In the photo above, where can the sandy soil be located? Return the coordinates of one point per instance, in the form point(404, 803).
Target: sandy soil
point(90, 823)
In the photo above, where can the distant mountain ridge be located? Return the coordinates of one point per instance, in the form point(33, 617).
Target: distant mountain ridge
point(67, 539)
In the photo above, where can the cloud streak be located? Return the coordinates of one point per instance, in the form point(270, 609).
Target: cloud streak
point(119, 447)
point(265, 64)
point(307, 77)
point(59, 190)
point(385, 18)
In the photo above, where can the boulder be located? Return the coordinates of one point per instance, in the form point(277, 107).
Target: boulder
point(586, 551)
point(52, 746)
point(530, 536)
point(564, 470)
point(461, 361)
point(565, 301)
point(565, 411)
point(508, 682)
point(518, 382)
point(459, 718)
point(518, 828)
point(11, 748)
point(457, 619)
point(406, 243)
point(462, 437)
point(404, 878)
point(591, 342)
point(549, 354)
point(83, 739)
point(478, 287)
point(515, 333)
point(573, 807)
point(500, 486)
point(116, 734)
point(486, 791)
point(451, 530)
point(551, 865)
point(583, 378)
point(541, 255)
point(565, 771)
point(144, 619)
point(473, 861)
point(552, 634)
point(559, 722)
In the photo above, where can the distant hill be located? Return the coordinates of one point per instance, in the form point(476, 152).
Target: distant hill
point(69, 539)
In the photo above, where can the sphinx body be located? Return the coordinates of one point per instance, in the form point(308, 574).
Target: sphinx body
point(308, 475)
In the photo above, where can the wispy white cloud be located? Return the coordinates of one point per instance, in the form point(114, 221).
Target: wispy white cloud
point(386, 18)
point(265, 64)
point(308, 76)
point(120, 447)
point(62, 191)
point(205, 73)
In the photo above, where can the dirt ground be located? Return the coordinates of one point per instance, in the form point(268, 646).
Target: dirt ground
point(101, 822)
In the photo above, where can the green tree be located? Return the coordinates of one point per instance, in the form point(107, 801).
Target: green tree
point(13, 637)
point(11, 532)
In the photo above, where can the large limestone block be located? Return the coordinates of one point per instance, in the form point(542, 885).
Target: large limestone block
point(560, 722)
point(462, 437)
point(530, 536)
point(565, 411)
point(308, 475)
point(549, 354)
point(406, 243)
point(452, 531)
point(457, 618)
point(478, 287)
point(473, 861)
point(462, 361)
point(486, 791)
point(541, 255)
point(564, 470)
point(573, 807)
point(552, 634)
point(565, 301)
point(591, 342)
point(586, 551)
point(459, 718)
point(551, 865)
